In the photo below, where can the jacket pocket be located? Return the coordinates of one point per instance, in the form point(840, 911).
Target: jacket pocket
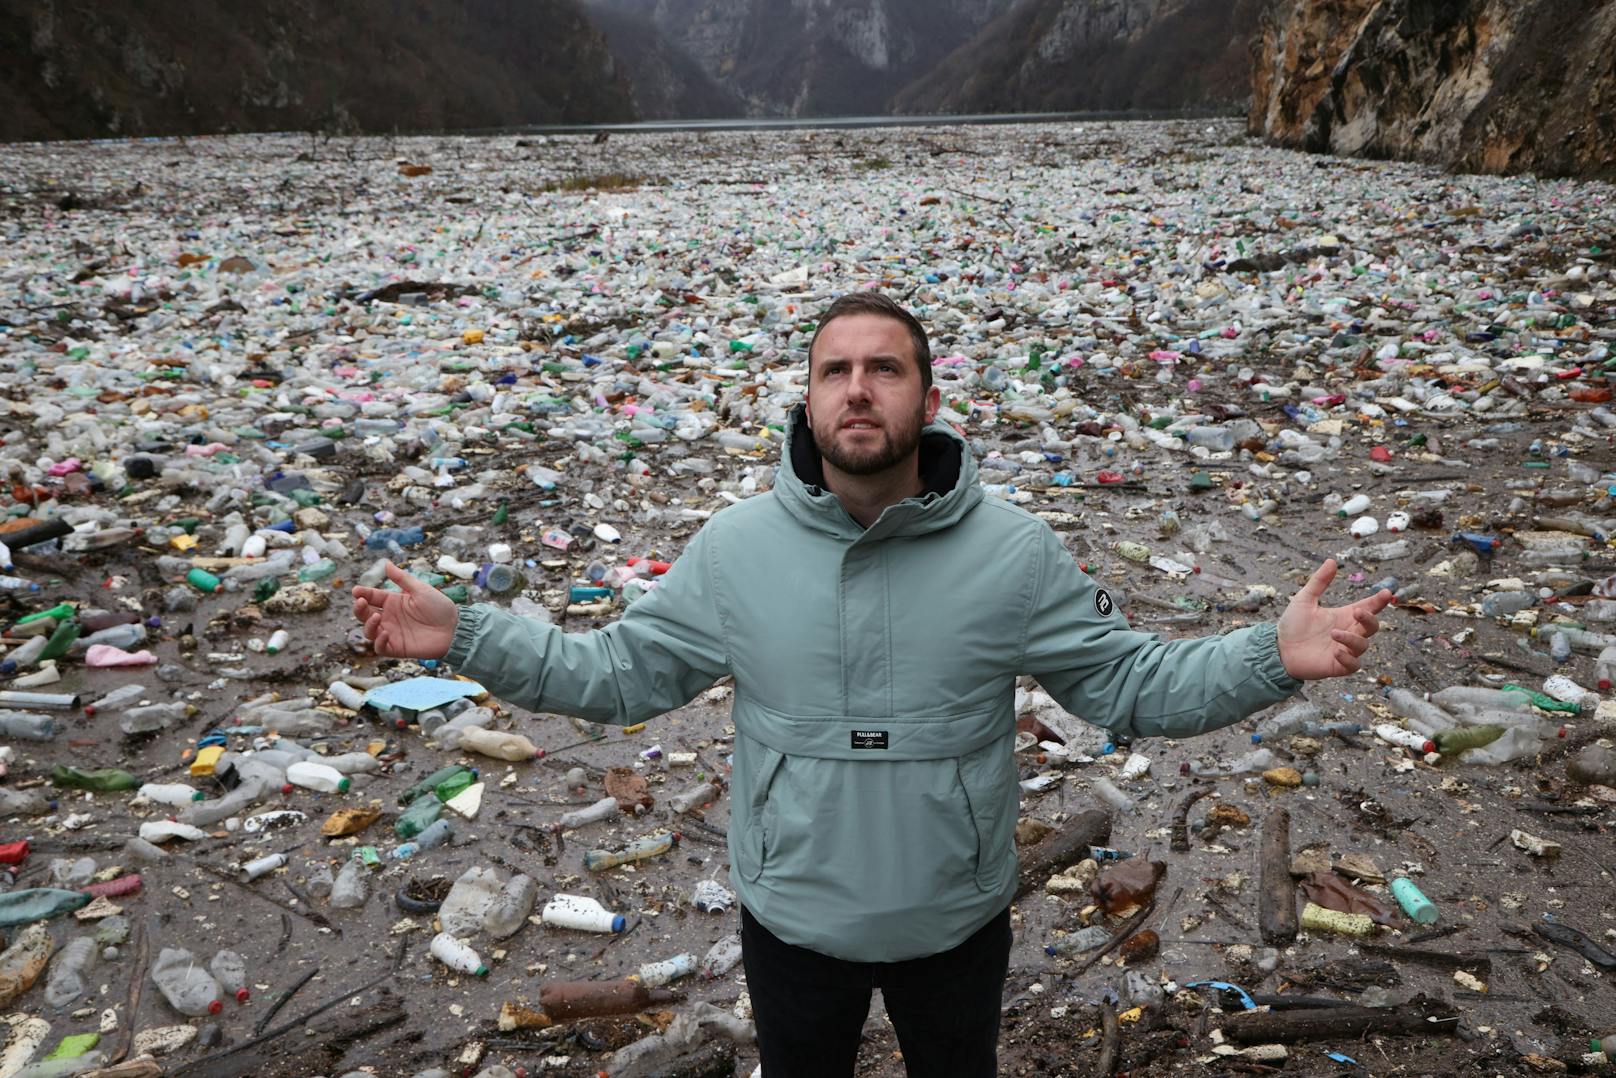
point(988, 779)
point(753, 845)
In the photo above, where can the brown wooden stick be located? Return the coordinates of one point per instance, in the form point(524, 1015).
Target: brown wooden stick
point(1065, 847)
point(1181, 819)
point(1122, 933)
point(1276, 898)
point(126, 1036)
point(1475, 963)
point(1337, 1023)
point(1110, 1040)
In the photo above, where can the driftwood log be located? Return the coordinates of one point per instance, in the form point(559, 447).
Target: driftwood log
point(1065, 847)
point(1276, 899)
point(1338, 1023)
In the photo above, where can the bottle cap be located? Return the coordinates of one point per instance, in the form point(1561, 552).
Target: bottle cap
point(198, 795)
point(216, 1006)
point(618, 922)
point(343, 784)
point(242, 995)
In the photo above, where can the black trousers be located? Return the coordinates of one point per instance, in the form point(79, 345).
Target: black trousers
point(810, 1008)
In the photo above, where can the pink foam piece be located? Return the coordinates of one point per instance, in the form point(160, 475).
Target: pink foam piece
point(107, 655)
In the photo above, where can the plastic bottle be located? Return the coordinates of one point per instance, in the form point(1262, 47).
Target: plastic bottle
point(252, 790)
point(435, 835)
point(277, 641)
point(1086, 939)
point(24, 803)
point(721, 957)
point(351, 887)
point(1290, 720)
point(1559, 647)
point(568, 1001)
point(23, 655)
point(101, 779)
point(1450, 742)
point(1605, 669)
point(695, 797)
point(1593, 765)
point(1109, 794)
point(1420, 714)
point(1501, 604)
point(175, 794)
point(153, 717)
point(657, 974)
point(230, 970)
point(188, 987)
point(498, 744)
point(352, 763)
point(603, 809)
point(117, 698)
point(1470, 698)
point(1419, 908)
point(1397, 522)
point(1353, 506)
point(432, 781)
point(457, 955)
point(1579, 639)
point(67, 971)
point(1408, 739)
point(581, 913)
point(315, 776)
point(1514, 743)
point(422, 813)
point(346, 695)
point(511, 908)
point(320, 881)
point(1317, 918)
point(262, 866)
point(28, 726)
point(638, 850)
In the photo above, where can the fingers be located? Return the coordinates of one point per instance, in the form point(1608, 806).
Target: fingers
point(1368, 624)
point(406, 582)
point(1354, 643)
point(1320, 580)
point(1378, 601)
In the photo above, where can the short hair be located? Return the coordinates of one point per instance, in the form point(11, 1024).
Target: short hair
point(877, 304)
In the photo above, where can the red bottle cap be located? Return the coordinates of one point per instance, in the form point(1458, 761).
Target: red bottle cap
point(242, 995)
point(286, 787)
point(216, 1006)
point(1429, 746)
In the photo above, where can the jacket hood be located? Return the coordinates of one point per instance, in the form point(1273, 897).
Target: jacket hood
point(946, 467)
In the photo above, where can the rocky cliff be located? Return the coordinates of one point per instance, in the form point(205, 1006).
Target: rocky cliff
point(1058, 55)
point(814, 57)
point(79, 68)
point(1474, 85)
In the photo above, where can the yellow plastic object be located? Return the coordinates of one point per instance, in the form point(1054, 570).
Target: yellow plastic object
point(1316, 918)
point(206, 759)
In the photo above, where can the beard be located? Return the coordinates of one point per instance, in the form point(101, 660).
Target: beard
point(899, 438)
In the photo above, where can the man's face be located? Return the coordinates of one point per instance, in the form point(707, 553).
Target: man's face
point(866, 403)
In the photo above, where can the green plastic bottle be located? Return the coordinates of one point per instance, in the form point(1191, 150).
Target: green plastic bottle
point(434, 780)
point(38, 904)
point(1449, 742)
point(101, 780)
point(60, 640)
point(454, 784)
point(59, 612)
point(422, 813)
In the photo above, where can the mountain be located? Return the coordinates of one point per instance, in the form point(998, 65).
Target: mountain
point(666, 83)
point(81, 69)
point(1060, 55)
point(813, 57)
point(1473, 85)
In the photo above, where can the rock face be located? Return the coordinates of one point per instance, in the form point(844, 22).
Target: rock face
point(1055, 55)
point(1473, 85)
point(813, 57)
point(79, 69)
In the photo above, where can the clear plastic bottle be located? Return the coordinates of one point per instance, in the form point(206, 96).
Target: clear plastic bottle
point(1420, 714)
point(638, 850)
point(1086, 939)
point(469, 901)
point(28, 725)
point(252, 790)
point(603, 809)
point(117, 698)
point(1516, 743)
point(694, 798)
point(511, 908)
point(657, 974)
point(188, 987)
point(230, 970)
point(721, 957)
point(153, 717)
point(1457, 698)
point(24, 803)
point(1501, 604)
point(1605, 668)
point(435, 835)
point(1109, 794)
point(1289, 720)
point(66, 981)
point(351, 888)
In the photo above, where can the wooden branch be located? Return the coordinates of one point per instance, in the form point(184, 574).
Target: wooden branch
point(1276, 898)
point(1110, 1040)
point(1338, 1023)
point(1181, 819)
point(1065, 847)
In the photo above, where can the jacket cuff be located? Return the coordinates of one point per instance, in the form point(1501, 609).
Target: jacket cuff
point(467, 628)
point(1265, 650)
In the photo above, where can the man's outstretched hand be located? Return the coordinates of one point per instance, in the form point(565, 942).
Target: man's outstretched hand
point(417, 622)
point(1323, 641)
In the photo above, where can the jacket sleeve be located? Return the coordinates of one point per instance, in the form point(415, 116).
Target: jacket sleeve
point(1082, 652)
point(664, 650)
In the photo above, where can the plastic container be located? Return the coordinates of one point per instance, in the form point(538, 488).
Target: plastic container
point(468, 902)
point(1451, 742)
point(262, 866)
point(657, 974)
point(1289, 720)
point(28, 726)
point(498, 744)
point(1605, 669)
point(153, 717)
point(604, 809)
point(457, 955)
point(511, 908)
point(117, 698)
point(175, 794)
point(1516, 742)
point(352, 886)
point(721, 957)
point(230, 970)
point(1415, 904)
point(316, 776)
point(434, 835)
point(1353, 506)
point(581, 913)
point(423, 813)
point(1408, 739)
point(66, 982)
point(694, 798)
point(638, 850)
point(1085, 939)
point(188, 987)
point(1108, 794)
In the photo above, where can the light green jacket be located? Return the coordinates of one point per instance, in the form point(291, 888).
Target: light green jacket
point(874, 796)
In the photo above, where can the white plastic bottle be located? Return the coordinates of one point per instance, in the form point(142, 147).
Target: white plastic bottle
point(581, 913)
point(262, 866)
point(348, 696)
point(119, 697)
point(695, 797)
point(316, 776)
point(175, 794)
point(1408, 739)
point(1353, 506)
point(188, 987)
point(278, 641)
point(657, 974)
point(1605, 669)
point(457, 955)
point(603, 809)
point(721, 957)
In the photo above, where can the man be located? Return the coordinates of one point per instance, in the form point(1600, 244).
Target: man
point(875, 610)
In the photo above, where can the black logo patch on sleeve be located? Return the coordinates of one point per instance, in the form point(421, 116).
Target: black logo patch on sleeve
point(1103, 605)
point(869, 739)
